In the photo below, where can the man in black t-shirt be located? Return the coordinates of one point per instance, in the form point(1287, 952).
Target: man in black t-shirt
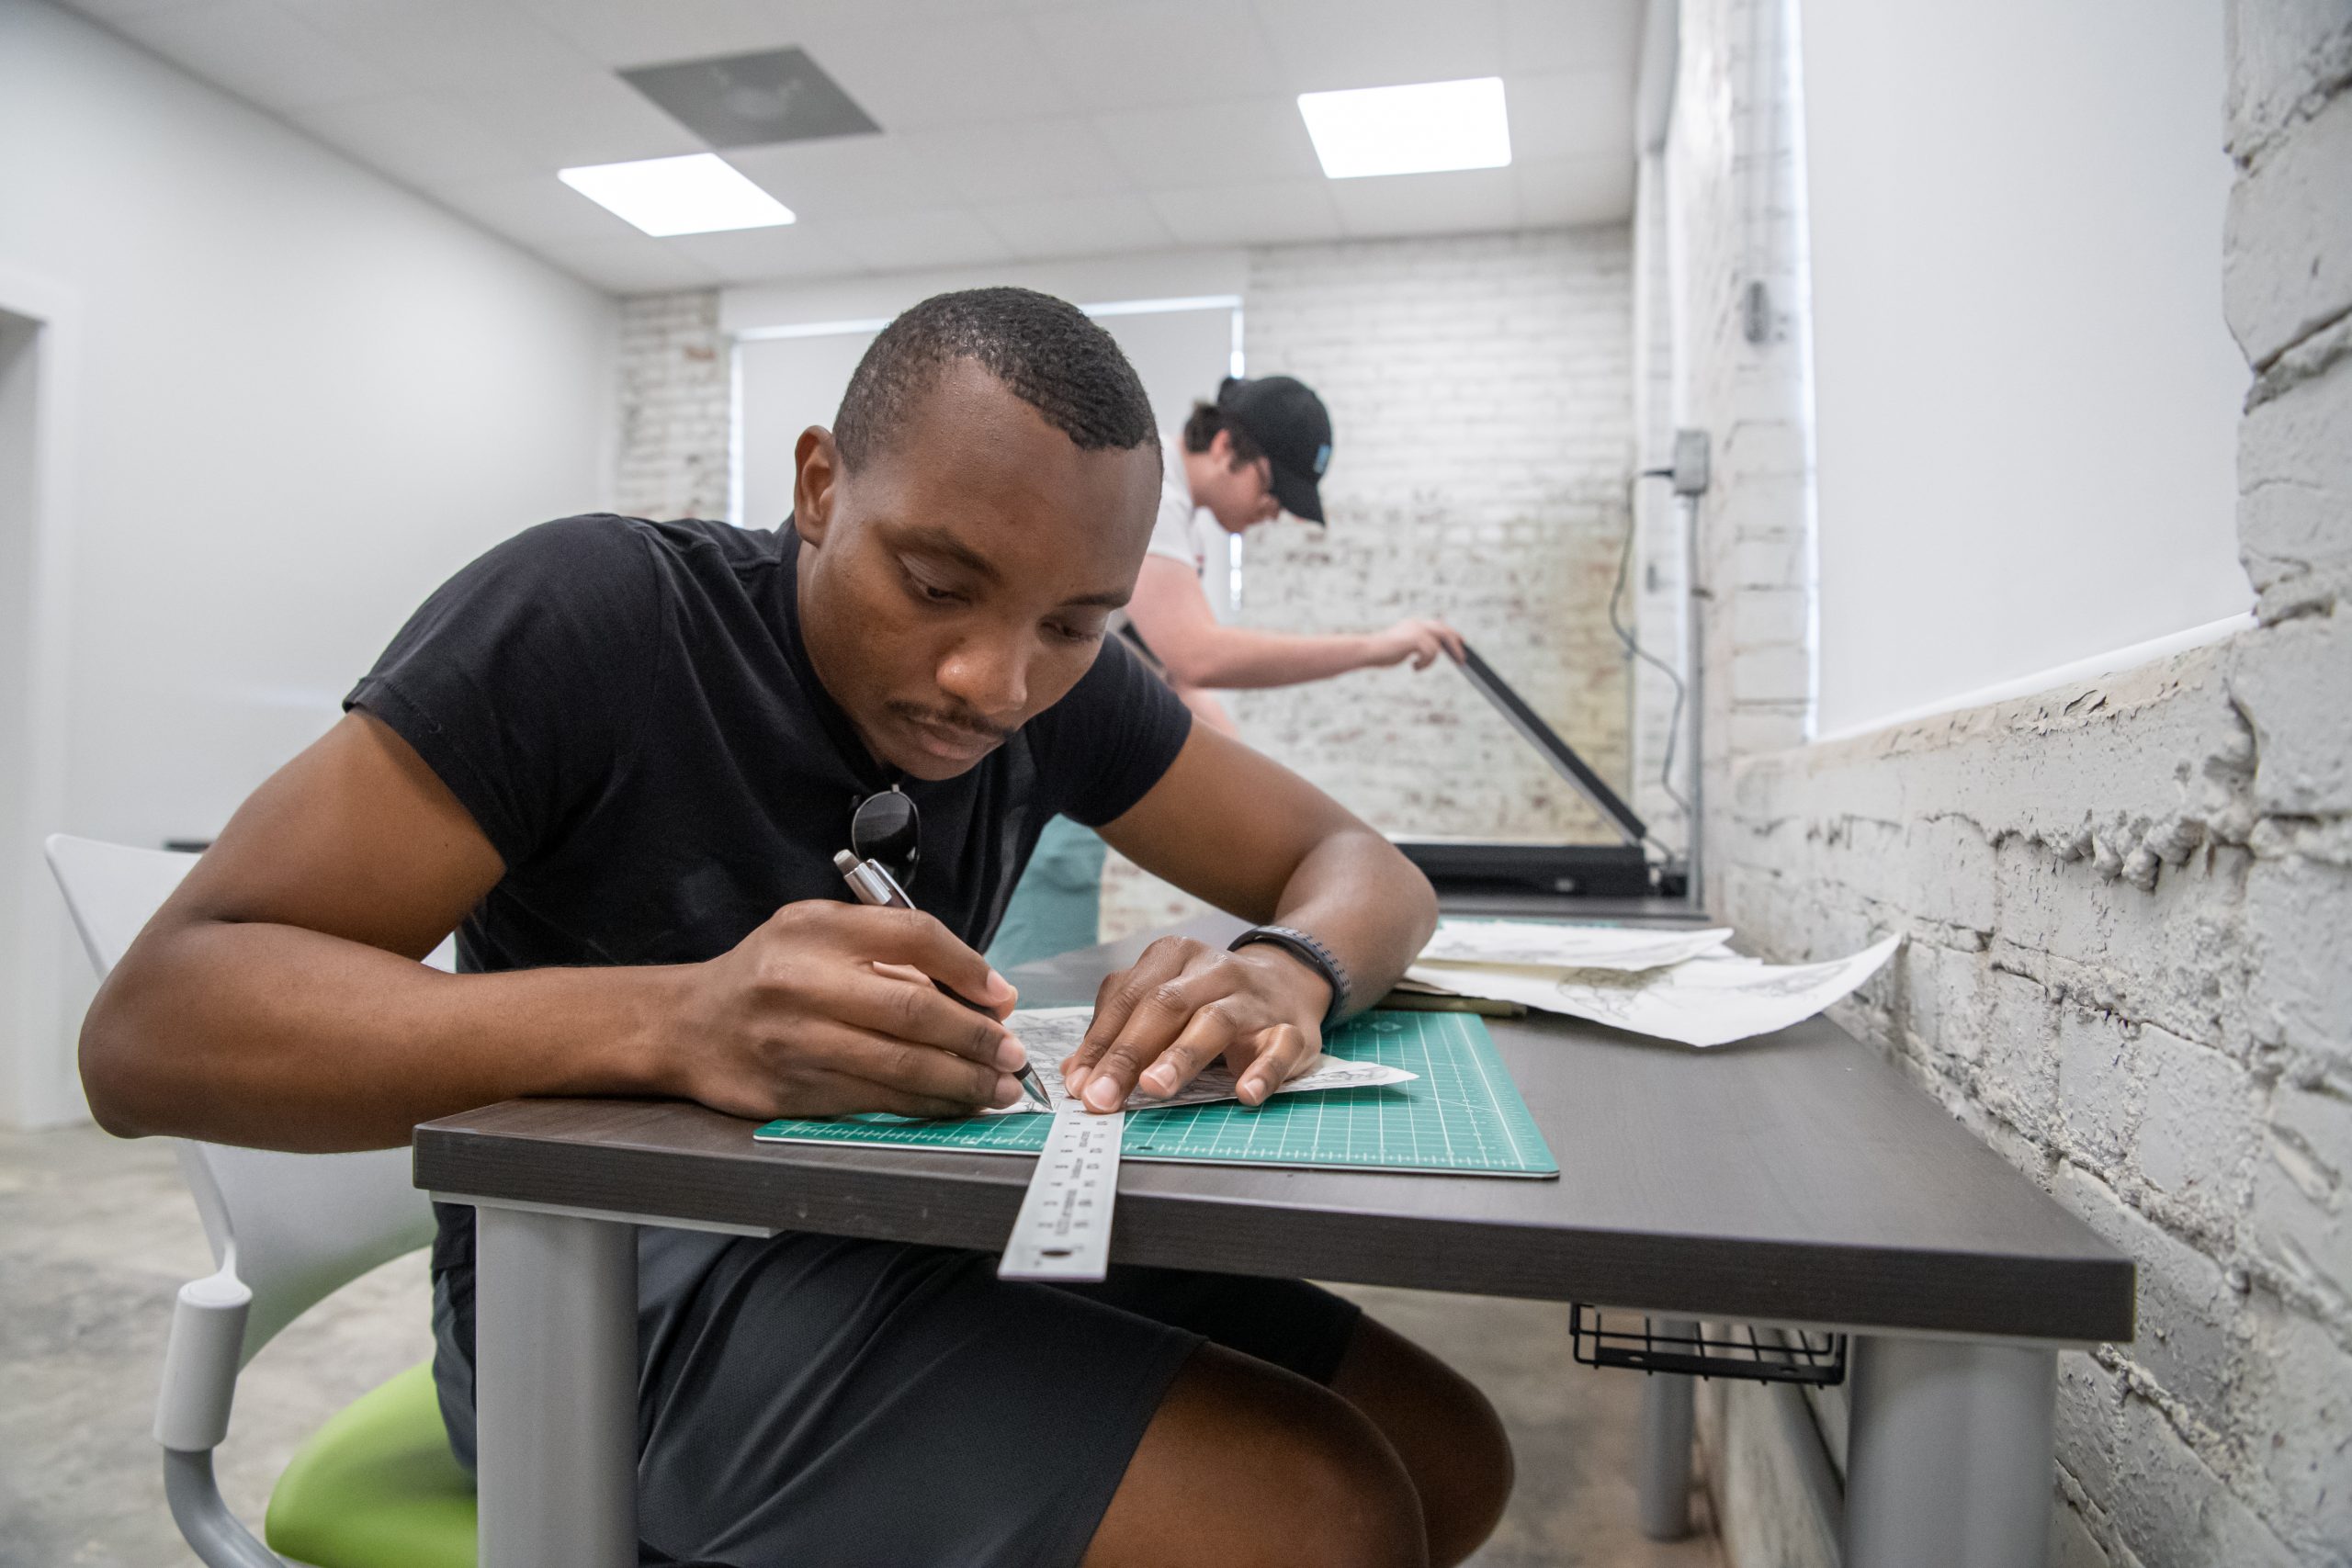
point(618, 757)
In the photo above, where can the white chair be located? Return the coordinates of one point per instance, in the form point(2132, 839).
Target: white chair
point(286, 1230)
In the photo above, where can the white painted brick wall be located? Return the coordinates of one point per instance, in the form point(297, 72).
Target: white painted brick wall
point(1658, 599)
point(674, 407)
point(2128, 902)
point(1723, 208)
point(1478, 389)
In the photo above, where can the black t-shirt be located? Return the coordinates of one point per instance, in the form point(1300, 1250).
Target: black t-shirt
point(627, 712)
point(626, 709)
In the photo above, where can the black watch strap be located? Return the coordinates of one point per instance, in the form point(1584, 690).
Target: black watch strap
point(1317, 956)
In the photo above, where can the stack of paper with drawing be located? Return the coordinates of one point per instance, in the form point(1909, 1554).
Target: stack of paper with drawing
point(1049, 1034)
point(1533, 944)
point(1682, 986)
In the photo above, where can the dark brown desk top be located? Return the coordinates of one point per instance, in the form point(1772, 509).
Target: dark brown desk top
point(1793, 1179)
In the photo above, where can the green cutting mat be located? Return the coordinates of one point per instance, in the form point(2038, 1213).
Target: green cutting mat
point(1461, 1114)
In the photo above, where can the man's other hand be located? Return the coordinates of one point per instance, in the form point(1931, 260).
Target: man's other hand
point(828, 1010)
point(1185, 1004)
point(1419, 640)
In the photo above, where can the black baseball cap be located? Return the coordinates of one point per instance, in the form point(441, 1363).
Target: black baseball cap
point(1292, 427)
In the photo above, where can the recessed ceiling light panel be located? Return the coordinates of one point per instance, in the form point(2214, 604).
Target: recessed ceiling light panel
point(698, 193)
point(1427, 127)
point(753, 100)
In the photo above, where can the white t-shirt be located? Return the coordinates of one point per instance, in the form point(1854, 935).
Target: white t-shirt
point(1172, 531)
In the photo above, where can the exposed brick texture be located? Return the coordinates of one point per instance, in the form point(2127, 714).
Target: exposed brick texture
point(1478, 393)
point(2128, 901)
point(672, 459)
point(1656, 602)
point(1477, 387)
point(1725, 199)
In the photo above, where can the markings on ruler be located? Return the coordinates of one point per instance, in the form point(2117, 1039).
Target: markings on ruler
point(1063, 1231)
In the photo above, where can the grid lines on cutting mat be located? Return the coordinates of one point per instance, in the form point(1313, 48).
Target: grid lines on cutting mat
point(1461, 1114)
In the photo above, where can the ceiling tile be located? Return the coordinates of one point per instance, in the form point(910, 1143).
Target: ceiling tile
point(435, 43)
point(1573, 35)
point(1253, 140)
point(634, 263)
point(1570, 113)
point(1324, 44)
point(115, 12)
point(417, 137)
point(586, 117)
point(257, 51)
point(1466, 200)
point(1554, 192)
point(903, 242)
point(1028, 128)
point(849, 176)
point(1081, 226)
point(1020, 159)
point(1282, 212)
point(748, 255)
point(536, 209)
point(1128, 56)
point(949, 71)
point(632, 32)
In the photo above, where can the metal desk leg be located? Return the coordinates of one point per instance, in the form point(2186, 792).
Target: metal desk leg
point(555, 1390)
point(1665, 1480)
point(1948, 1458)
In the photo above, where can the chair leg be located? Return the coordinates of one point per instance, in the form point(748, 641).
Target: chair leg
point(204, 1519)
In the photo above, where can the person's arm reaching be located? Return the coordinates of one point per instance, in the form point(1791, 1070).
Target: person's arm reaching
point(277, 1001)
point(1198, 650)
point(1240, 830)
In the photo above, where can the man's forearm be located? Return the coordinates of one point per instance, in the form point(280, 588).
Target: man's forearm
point(1242, 657)
point(1358, 896)
point(274, 1036)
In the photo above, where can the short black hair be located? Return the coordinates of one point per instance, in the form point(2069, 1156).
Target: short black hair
point(1205, 421)
point(1048, 352)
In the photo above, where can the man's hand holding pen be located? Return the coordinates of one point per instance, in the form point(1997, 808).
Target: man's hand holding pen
point(830, 1008)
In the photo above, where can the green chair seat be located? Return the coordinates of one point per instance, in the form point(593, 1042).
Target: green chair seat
point(378, 1487)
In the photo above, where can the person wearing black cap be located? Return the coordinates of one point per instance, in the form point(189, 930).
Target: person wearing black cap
point(1259, 451)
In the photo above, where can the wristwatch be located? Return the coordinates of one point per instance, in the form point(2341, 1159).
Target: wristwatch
point(1316, 956)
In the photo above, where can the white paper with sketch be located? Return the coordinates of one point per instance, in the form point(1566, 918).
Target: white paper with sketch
point(1049, 1034)
point(1697, 1003)
point(1541, 945)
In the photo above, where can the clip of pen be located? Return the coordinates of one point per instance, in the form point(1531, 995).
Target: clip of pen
point(873, 884)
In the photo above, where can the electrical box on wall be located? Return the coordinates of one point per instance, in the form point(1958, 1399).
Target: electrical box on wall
point(1689, 470)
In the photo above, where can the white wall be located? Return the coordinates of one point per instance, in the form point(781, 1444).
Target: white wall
point(21, 360)
point(2026, 399)
point(304, 397)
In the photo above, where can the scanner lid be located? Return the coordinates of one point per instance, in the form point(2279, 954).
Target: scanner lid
point(1555, 750)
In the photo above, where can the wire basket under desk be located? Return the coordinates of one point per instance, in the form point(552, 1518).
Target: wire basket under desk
point(1599, 1337)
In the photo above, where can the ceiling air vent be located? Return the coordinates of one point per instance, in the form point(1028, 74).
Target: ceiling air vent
point(752, 100)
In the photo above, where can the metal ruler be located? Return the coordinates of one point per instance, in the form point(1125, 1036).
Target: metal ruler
point(1063, 1231)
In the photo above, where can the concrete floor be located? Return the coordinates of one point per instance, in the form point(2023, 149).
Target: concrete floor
point(96, 1236)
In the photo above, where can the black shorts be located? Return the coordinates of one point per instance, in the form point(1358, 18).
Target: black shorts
point(814, 1399)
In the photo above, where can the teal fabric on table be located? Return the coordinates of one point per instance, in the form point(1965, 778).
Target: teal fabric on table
point(1057, 905)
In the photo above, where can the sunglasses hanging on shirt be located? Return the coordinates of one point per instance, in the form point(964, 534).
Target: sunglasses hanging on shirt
point(885, 827)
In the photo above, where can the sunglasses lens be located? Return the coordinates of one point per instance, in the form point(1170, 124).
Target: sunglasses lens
point(885, 828)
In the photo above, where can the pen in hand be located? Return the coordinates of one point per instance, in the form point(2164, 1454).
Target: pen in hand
point(873, 884)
